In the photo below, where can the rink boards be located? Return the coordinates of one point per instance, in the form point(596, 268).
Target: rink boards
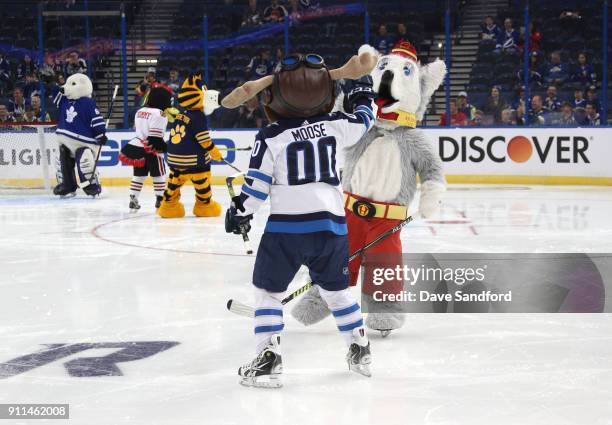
point(548, 155)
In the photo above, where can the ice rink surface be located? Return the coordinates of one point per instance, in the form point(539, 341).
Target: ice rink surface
point(85, 271)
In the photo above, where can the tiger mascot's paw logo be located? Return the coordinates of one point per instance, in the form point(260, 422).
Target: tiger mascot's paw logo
point(177, 134)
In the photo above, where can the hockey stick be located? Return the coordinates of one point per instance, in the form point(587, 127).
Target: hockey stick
point(245, 310)
point(229, 182)
point(248, 148)
point(108, 117)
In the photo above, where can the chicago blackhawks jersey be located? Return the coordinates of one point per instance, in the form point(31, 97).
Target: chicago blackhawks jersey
point(149, 122)
point(79, 119)
point(294, 163)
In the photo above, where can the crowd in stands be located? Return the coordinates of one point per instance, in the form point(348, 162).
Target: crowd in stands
point(563, 82)
point(23, 82)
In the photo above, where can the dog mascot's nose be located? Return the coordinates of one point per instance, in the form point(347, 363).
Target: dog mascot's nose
point(386, 78)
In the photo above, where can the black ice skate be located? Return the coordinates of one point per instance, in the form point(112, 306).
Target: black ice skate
point(358, 356)
point(158, 201)
point(265, 371)
point(134, 205)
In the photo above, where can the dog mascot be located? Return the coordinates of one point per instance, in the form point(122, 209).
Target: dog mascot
point(81, 133)
point(379, 179)
point(190, 150)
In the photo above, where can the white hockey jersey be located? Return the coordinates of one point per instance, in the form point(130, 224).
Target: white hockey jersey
point(149, 122)
point(294, 163)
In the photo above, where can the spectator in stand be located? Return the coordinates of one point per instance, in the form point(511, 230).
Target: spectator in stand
point(535, 74)
point(5, 115)
point(592, 98)
point(383, 41)
point(27, 66)
point(174, 81)
point(464, 106)
point(557, 72)
point(519, 100)
point(75, 64)
point(508, 117)
point(18, 105)
point(5, 74)
point(520, 114)
point(535, 39)
point(584, 72)
point(495, 105)
point(143, 86)
point(592, 117)
point(260, 65)
point(34, 113)
point(476, 121)
point(252, 15)
point(537, 115)
point(552, 103)
point(508, 39)
point(251, 115)
point(579, 100)
point(490, 30)
point(47, 69)
point(457, 118)
point(55, 86)
point(31, 86)
point(567, 115)
point(402, 33)
point(275, 12)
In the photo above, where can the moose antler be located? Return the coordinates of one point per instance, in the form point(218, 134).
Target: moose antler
point(356, 67)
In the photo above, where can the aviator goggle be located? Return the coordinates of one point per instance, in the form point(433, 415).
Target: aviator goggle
point(310, 60)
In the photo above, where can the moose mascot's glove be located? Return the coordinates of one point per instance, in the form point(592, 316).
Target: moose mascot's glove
point(357, 92)
point(236, 223)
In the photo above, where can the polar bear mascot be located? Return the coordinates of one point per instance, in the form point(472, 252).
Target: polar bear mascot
point(81, 133)
point(380, 180)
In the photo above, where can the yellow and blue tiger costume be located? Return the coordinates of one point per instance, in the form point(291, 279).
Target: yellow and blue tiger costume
point(190, 150)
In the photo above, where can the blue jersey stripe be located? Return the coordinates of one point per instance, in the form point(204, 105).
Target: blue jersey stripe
point(260, 176)
point(313, 226)
point(345, 311)
point(268, 312)
point(269, 328)
point(254, 193)
point(319, 215)
point(350, 326)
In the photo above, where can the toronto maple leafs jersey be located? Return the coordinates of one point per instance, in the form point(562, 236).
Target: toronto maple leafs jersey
point(79, 119)
point(293, 162)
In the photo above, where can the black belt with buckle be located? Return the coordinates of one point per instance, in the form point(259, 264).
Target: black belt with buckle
point(364, 209)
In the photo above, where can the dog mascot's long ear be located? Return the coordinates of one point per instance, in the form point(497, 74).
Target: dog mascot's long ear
point(432, 75)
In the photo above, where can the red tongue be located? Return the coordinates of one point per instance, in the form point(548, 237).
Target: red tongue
point(382, 102)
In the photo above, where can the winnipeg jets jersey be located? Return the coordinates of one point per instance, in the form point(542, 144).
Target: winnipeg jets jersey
point(149, 122)
point(294, 163)
point(79, 119)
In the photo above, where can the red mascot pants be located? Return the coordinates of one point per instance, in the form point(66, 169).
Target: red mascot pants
point(385, 254)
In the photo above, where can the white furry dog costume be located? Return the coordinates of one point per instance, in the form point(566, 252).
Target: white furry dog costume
point(380, 178)
point(81, 132)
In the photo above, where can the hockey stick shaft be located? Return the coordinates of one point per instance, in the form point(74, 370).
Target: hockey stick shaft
point(229, 182)
point(248, 148)
point(248, 311)
point(108, 117)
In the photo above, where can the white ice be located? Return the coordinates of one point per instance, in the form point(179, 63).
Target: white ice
point(84, 270)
